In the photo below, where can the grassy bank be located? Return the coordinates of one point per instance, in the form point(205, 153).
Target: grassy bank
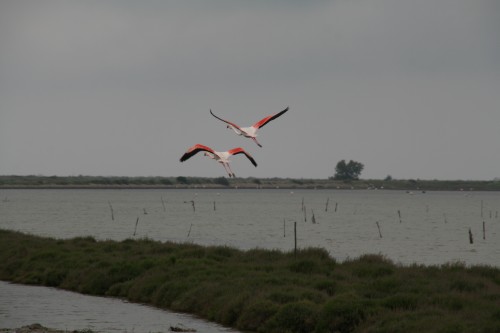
point(262, 290)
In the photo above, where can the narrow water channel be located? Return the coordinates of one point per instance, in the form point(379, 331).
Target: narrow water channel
point(22, 305)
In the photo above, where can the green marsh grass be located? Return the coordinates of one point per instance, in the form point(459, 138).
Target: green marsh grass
point(263, 290)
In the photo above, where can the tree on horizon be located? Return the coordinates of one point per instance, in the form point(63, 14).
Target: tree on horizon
point(348, 171)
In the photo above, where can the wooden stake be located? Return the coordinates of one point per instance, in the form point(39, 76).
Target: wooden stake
point(214, 206)
point(336, 204)
point(111, 208)
point(192, 204)
point(484, 231)
point(313, 218)
point(378, 226)
point(163, 204)
point(399, 213)
point(305, 214)
point(327, 201)
point(136, 222)
point(471, 238)
point(189, 232)
point(295, 238)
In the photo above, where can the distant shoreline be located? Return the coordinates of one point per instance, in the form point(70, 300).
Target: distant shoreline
point(164, 183)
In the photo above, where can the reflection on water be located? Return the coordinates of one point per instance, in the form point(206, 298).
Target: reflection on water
point(23, 305)
point(426, 228)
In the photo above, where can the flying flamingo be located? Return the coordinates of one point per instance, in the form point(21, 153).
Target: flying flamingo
point(220, 156)
point(250, 132)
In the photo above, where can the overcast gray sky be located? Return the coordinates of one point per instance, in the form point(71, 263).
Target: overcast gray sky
point(409, 88)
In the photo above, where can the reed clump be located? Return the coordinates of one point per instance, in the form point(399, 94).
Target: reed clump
point(263, 290)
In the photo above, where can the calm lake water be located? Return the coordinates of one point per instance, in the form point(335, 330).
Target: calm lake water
point(433, 228)
point(425, 228)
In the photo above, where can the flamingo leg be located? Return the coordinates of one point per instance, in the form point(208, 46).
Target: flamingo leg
point(228, 169)
point(231, 171)
point(257, 142)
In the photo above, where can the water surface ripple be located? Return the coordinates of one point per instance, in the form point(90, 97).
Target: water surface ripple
point(424, 228)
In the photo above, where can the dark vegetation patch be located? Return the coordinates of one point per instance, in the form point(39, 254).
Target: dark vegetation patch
point(35, 181)
point(261, 290)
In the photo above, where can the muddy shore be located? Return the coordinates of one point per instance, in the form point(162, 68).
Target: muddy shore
point(37, 328)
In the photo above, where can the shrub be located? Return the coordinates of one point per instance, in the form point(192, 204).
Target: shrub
point(401, 302)
point(256, 315)
point(221, 181)
point(53, 278)
point(298, 317)
point(451, 303)
point(341, 315)
point(327, 286)
point(303, 266)
point(182, 180)
point(466, 286)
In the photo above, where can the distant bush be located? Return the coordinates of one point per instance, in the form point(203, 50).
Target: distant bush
point(221, 181)
point(182, 180)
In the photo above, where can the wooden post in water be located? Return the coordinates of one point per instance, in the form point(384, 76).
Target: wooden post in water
point(295, 238)
point(378, 226)
point(484, 231)
point(189, 232)
point(163, 204)
point(214, 206)
point(336, 204)
point(136, 222)
point(112, 213)
point(327, 201)
point(305, 214)
point(313, 217)
point(399, 213)
point(471, 238)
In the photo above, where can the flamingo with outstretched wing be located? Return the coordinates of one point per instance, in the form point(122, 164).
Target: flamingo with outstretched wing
point(220, 156)
point(251, 131)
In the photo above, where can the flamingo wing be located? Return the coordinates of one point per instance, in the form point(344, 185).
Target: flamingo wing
point(227, 122)
point(240, 150)
point(194, 150)
point(267, 119)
